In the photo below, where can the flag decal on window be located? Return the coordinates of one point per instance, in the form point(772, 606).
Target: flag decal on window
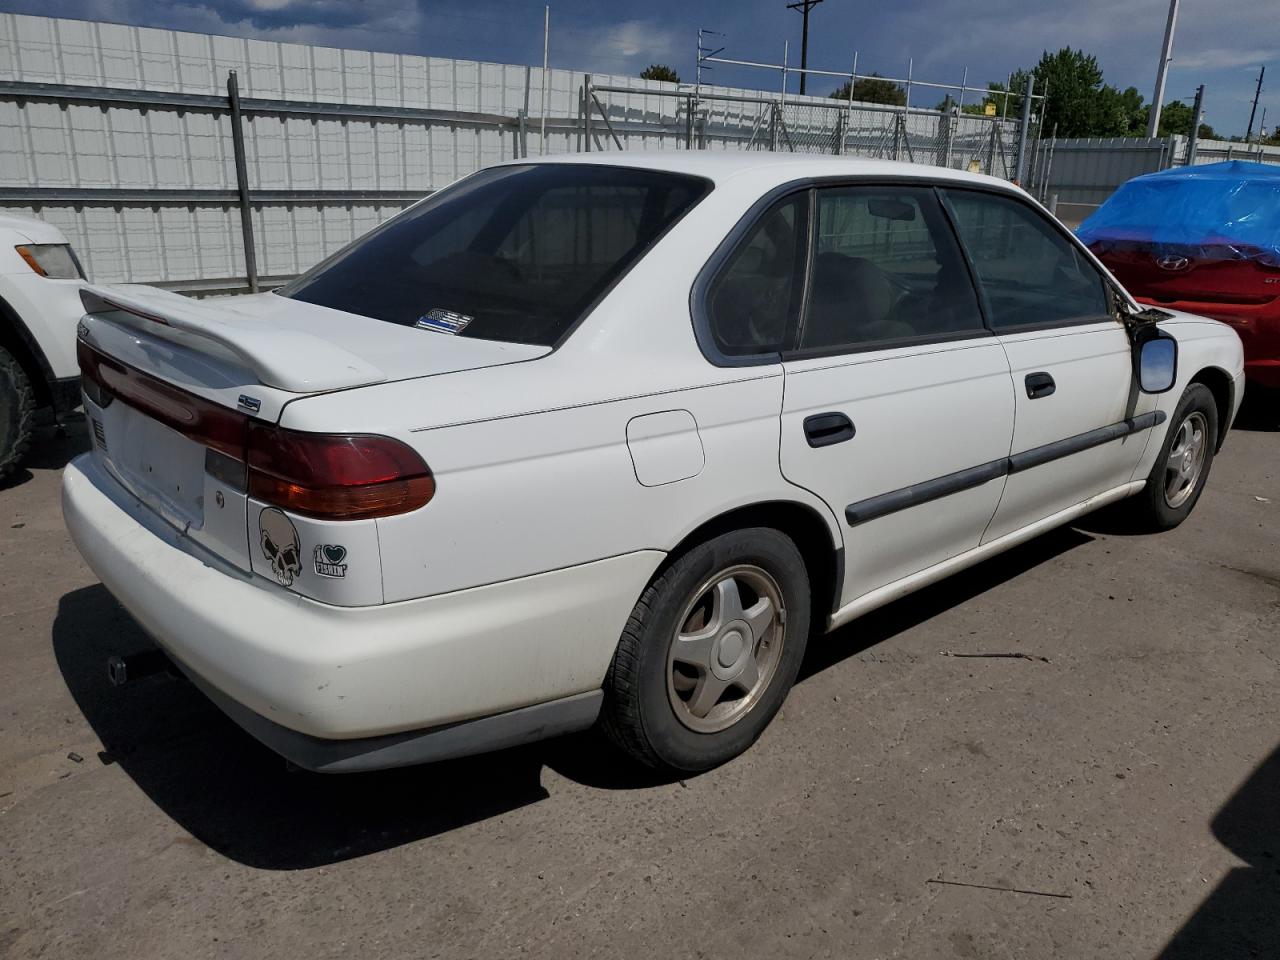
point(443, 321)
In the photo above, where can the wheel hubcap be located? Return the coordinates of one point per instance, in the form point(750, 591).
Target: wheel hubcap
point(1186, 459)
point(726, 648)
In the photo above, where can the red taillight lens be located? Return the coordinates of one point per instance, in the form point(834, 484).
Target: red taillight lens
point(325, 475)
point(336, 476)
point(202, 420)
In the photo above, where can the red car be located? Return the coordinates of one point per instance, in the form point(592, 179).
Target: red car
point(1206, 240)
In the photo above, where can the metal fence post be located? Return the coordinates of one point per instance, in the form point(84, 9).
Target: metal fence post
point(242, 184)
point(522, 133)
point(945, 124)
point(1020, 171)
point(1048, 167)
point(586, 112)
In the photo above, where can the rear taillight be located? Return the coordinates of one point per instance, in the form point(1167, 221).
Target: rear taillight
point(330, 476)
point(336, 476)
point(207, 423)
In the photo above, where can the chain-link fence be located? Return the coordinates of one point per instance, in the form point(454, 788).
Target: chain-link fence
point(709, 119)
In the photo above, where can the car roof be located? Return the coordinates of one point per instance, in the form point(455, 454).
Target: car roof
point(780, 168)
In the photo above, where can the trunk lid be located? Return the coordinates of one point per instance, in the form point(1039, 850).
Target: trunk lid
point(295, 346)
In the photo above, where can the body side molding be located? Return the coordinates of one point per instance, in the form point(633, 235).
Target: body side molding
point(895, 500)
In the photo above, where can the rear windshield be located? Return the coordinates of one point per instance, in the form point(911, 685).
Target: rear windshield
point(514, 253)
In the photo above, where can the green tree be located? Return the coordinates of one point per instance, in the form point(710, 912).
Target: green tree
point(659, 71)
point(873, 89)
point(1177, 117)
point(1072, 82)
point(1119, 113)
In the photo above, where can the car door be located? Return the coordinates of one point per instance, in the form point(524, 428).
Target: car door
point(1079, 424)
point(897, 405)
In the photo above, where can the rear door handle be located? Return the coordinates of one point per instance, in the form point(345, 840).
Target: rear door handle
point(1040, 385)
point(824, 429)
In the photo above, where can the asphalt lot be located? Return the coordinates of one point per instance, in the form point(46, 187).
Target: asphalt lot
point(1118, 798)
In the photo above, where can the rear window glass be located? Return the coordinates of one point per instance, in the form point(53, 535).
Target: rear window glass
point(514, 253)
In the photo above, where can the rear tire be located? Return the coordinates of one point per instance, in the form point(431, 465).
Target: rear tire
point(17, 413)
point(709, 652)
point(1182, 466)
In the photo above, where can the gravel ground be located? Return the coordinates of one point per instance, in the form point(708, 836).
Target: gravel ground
point(1115, 795)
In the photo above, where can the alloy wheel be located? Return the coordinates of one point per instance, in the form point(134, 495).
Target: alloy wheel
point(726, 649)
point(1186, 459)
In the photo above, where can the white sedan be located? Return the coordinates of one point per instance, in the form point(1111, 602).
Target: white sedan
point(605, 439)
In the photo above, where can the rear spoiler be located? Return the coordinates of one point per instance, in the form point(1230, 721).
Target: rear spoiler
point(285, 359)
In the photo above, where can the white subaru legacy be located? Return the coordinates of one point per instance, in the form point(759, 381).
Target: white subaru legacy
point(605, 439)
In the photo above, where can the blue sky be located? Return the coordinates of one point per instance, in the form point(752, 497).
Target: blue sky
point(1220, 43)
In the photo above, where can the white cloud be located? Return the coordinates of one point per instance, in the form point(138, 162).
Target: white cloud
point(268, 5)
point(631, 40)
point(1223, 59)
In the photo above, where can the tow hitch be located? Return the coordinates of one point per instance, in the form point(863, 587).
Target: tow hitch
point(137, 666)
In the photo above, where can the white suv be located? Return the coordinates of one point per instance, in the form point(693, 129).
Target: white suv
point(40, 281)
point(604, 438)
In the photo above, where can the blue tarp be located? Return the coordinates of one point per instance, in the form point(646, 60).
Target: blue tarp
point(1217, 211)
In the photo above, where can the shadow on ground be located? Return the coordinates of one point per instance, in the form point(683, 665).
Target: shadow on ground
point(1260, 410)
point(53, 446)
point(237, 797)
point(1241, 917)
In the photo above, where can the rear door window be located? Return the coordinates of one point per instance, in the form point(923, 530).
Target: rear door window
point(514, 253)
point(1030, 272)
point(758, 288)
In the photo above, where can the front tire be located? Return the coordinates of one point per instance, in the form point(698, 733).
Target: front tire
point(1182, 466)
point(17, 413)
point(709, 652)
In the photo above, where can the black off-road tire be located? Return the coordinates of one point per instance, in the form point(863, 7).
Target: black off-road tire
point(17, 413)
point(638, 714)
point(1151, 509)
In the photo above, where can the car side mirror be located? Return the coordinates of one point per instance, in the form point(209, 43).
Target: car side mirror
point(1156, 360)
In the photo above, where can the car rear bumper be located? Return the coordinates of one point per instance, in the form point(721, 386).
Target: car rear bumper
point(326, 673)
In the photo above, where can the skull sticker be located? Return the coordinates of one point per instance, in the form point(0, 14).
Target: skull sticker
point(280, 545)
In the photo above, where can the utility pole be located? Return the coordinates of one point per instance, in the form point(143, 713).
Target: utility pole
point(1197, 112)
point(1020, 170)
point(1256, 94)
point(804, 6)
point(1162, 71)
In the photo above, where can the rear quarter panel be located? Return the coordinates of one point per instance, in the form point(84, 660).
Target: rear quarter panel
point(525, 494)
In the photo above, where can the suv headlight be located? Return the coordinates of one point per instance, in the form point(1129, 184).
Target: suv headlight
point(53, 260)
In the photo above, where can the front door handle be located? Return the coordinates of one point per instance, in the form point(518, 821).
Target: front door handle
point(1040, 385)
point(824, 429)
